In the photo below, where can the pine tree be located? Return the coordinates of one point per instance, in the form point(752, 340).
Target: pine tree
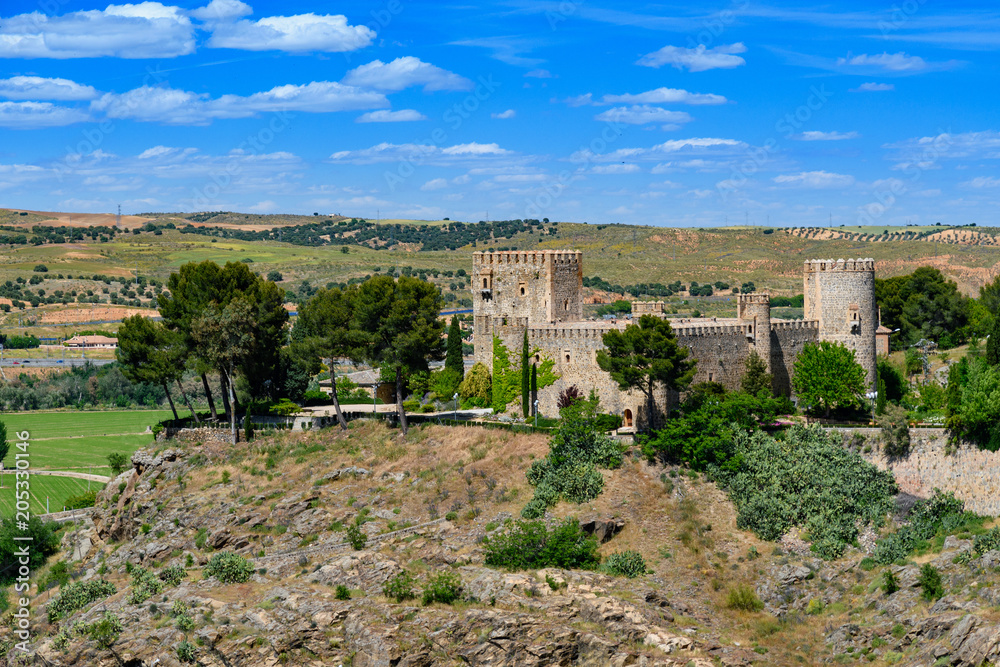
point(525, 378)
point(453, 360)
point(993, 343)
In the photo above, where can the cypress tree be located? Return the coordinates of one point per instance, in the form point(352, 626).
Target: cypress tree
point(881, 398)
point(525, 378)
point(453, 360)
point(534, 386)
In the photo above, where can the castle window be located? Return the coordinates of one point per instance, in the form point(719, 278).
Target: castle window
point(538, 358)
point(566, 304)
point(711, 377)
point(567, 357)
point(485, 283)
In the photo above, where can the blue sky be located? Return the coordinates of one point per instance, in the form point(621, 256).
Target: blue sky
point(781, 113)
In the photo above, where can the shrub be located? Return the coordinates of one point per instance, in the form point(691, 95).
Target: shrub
point(82, 501)
point(399, 588)
point(444, 588)
point(185, 652)
point(529, 545)
point(815, 607)
point(106, 631)
point(173, 575)
point(77, 596)
point(229, 568)
point(343, 593)
point(356, 537)
point(58, 575)
point(988, 541)
point(941, 513)
point(890, 584)
point(117, 462)
point(930, 582)
point(184, 623)
point(742, 597)
point(627, 563)
point(895, 430)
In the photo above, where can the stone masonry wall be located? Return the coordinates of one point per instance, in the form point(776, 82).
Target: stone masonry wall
point(970, 473)
point(787, 340)
point(721, 352)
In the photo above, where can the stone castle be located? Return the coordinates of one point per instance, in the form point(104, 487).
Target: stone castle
point(542, 292)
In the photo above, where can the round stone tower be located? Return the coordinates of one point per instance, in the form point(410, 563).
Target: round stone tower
point(754, 313)
point(840, 296)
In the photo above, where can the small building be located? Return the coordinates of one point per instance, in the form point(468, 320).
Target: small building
point(92, 342)
point(882, 340)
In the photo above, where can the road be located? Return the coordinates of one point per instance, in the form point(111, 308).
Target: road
point(48, 363)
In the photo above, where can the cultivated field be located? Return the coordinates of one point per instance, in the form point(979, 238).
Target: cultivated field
point(56, 489)
point(80, 441)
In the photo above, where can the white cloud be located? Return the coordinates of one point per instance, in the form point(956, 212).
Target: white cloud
point(816, 135)
point(434, 184)
point(34, 115)
point(891, 62)
point(38, 88)
point(266, 206)
point(179, 107)
point(983, 182)
point(697, 59)
point(622, 168)
point(475, 149)
point(665, 96)
point(386, 116)
point(504, 115)
point(222, 10)
point(157, 151)
point(143, 30)
point(872, 87)
point(302, 32)
point(428, 154)
point(923, 152)
point(403, 73)
point(539, 74)
point(815, 179)
point(642, 114)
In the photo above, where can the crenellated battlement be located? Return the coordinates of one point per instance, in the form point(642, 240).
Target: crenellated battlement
point(529, 257)
point(794, 325)
point(566, 333)
point(693, 330)
point(755, 297)
point(818, 265)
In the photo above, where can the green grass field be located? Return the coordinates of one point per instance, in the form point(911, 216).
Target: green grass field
point(80, 441)
point(56, 489)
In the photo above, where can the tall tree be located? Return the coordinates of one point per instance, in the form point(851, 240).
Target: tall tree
point(756, 380)
point(924, 304)
point(644, 356)
point(325, 323)
point(453, 361)
point(827, 376)
point(534, 388)
point(525, 378)
point(149, 352)
point(993, 343)
point(398, 328)
point(228, 337)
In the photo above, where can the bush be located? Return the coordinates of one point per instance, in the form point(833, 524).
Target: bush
point(342, 592)
point(444, 588)
point(411, 405)
point(172, 576)
point(988, 541)
point(895, 430)
point(942, 513)
point(529, 545)
point(144, 585)
point(117, 462)
point(229, 568)
point(890, 584)
point(930, 582)
point(106, 631)
point(185, 652)
point(742, 597)
point(82, 501)
point(625, 564)
point(356, 537)
point(58, 575)
point(77, 596)
point(399, 588)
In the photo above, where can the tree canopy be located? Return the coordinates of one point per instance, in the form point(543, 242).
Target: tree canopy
point(645, 356)
point(149, 352)
point(924, 304)
point(828, 377)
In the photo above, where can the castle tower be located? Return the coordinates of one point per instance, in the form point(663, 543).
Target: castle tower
point(840, 296)
point(524, 287)
point(754, 313)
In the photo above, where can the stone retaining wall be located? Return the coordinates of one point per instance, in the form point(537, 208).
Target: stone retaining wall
point(970, 473)
point(219, 436)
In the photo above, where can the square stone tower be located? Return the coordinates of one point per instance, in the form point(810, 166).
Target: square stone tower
point(840, 296)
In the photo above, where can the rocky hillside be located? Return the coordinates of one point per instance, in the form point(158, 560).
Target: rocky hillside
point(286, 503)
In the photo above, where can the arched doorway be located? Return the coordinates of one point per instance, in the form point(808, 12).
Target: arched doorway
point(628, 418)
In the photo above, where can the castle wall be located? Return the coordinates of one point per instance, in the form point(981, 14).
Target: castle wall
point(840, 295)
point(720, 349)
point(788, 337)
